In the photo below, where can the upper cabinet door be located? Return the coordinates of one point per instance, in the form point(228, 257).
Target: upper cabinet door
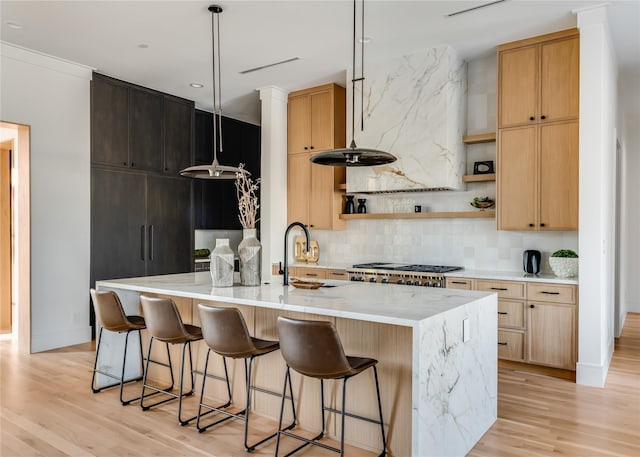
point(109, 122)
point(299, 127)
point(559, 176)
point(298, 188)
point(518, 87)
point(321, 121)
point(560, 81)
point(145, 118)
point(178, 133)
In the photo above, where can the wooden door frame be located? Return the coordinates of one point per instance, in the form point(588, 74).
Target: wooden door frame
point(21, 228)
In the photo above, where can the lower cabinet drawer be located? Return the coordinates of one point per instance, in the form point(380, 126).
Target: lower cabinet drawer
point(504, 289)
point(337, 274)
point(458, 283)
point(511, 345)
point(558, 293)
point(511, 314)
point(314, 273)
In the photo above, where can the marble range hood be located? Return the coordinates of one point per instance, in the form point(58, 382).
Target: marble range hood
point(414, 108)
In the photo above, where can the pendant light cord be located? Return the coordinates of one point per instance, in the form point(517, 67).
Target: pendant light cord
point(353, 74)
point(217, 91)
point(362, 70)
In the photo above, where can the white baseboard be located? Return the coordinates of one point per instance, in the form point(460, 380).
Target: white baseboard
point(60, 338)
point(591, 374)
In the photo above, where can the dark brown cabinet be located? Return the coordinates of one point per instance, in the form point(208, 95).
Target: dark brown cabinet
point(215, 201)
point(140, 224)
point(139, 128)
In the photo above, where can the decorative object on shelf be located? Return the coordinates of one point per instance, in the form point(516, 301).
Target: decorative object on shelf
point(249, 249)
point(349, 207)
point(531, 261)
point(564, 263)
point(362, 209)
point(483, 167)
point(353, 156)
point(482, 203)
point(215, 170)
point(417, 209)
point(222, 264)
point(201, 253)
point(302, 254)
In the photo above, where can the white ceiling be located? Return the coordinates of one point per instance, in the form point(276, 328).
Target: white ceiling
point(107, 35)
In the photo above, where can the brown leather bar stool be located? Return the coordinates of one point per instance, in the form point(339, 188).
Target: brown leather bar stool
point(112, 318)
point(164, 324)
point(226, 334)
point(313, 349)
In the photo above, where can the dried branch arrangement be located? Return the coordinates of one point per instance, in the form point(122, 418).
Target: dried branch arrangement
point(248, 205)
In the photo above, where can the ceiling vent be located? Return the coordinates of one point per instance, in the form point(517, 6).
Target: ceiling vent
point(250, 70)
point(468, 10)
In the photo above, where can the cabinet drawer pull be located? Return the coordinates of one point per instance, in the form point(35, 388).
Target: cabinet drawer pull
point(543, 117)
point(531, 225)
point(550, 293)
point(459, 282)
point(339, 274)
point(311, 274)
point(541, 225)
point(499, 288)
point(502, 344)
point(532, 118)
point(502, 313)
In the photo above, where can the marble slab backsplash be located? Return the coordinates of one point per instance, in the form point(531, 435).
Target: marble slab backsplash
point(414, 107)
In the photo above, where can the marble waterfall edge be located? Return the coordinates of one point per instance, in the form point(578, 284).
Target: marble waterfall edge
point(414, 108)
point(456, 381)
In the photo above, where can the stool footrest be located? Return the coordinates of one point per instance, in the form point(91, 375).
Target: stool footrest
point(307, 441)
point(355, 416)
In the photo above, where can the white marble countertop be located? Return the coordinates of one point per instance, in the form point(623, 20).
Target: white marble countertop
point(385, 303)
point(511, 276)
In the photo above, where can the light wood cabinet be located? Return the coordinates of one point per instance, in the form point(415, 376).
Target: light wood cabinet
point(536, 321)
point(538, 79)
point(538, 87)
point(538, 177)
point(316, 122)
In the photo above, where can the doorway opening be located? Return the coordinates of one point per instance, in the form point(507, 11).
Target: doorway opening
point(15, 235)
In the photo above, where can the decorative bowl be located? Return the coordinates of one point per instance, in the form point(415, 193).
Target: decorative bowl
point(482, 202)
point(306, 284)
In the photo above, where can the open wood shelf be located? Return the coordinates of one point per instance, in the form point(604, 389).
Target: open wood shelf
point(480, 138)
point(479, 178)
point(438, 215)
point(342, 186)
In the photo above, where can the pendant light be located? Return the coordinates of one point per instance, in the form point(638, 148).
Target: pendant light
point(215, 170)
point(354, 156)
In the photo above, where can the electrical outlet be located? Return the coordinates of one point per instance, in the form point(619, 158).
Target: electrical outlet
point(466, 330)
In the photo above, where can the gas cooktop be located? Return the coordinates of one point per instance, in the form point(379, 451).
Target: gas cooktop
point(407, 267)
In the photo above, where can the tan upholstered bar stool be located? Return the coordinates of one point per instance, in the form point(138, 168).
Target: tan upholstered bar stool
point(112, 318)
point(313, 349)
point(225, 332)
point(164, 324)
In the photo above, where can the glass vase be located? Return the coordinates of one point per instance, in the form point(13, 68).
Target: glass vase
point(250, 253)
point(222, 264)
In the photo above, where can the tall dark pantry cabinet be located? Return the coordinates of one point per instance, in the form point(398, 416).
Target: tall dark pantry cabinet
point(141, 209)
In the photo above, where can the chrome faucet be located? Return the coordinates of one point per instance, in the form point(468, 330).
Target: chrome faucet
point(286, 261)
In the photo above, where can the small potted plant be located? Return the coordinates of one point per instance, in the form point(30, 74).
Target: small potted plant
point(564, 263)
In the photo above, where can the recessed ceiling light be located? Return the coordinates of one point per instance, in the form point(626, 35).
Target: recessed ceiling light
point(13, 25)
point(197, 85)
point(143, 46)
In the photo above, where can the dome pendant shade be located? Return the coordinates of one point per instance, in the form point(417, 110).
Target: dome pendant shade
point(353, 156)
point(215, 170)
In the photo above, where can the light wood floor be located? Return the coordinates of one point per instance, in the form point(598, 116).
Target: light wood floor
point(47, 409)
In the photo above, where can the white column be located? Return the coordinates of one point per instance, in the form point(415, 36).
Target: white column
point(596, 240)
point(273, 194)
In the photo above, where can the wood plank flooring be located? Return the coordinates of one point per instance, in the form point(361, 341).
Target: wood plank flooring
point(47, 409)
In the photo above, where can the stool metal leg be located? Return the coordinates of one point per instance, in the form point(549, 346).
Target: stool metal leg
point(212, 409)
point(156, 390)
point(182, 394)
point(384, 440)
point(121, 382)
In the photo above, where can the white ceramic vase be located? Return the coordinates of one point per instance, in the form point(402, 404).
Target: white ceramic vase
point(222, 264)
point(250, 253)
point(564, 267)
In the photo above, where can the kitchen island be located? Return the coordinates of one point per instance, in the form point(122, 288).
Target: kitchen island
point(437, 352)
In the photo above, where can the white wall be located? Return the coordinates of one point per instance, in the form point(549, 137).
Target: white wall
point(630, 208)
point(597, 196)
point(472, 243)
point(52, 96)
